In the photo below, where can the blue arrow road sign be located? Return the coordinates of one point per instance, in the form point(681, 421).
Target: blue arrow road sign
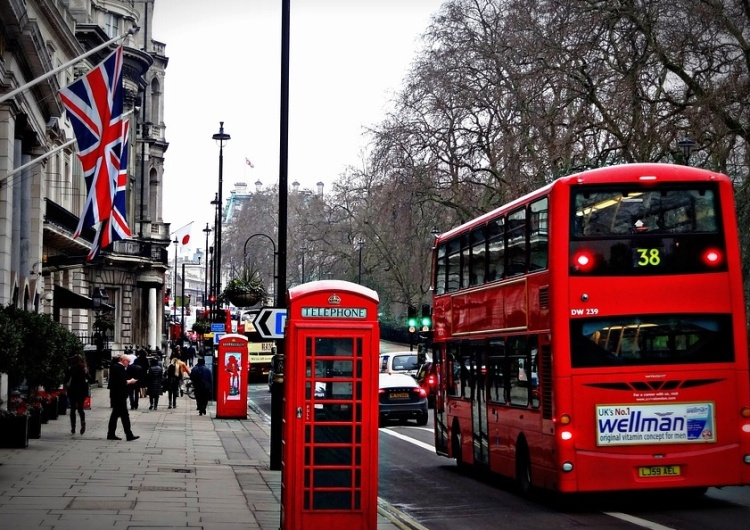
point(270, 322)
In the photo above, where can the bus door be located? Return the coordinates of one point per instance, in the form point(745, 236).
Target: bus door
point(441, 428)
point(478, 382)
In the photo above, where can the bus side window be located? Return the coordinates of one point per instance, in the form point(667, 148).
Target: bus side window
point(466, 376)
point(478, 256)
point(452, 373)
point(519, 371)
point(496, 372)
point(496, 249)
point(538, 242)
point(516, 254)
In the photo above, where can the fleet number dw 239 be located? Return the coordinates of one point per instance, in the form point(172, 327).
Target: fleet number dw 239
point(575, 312)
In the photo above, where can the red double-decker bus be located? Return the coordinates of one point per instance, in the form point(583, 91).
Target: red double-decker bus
point(591, 336)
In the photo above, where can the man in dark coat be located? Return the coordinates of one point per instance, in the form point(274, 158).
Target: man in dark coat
point(118, 398)
point(201, 378)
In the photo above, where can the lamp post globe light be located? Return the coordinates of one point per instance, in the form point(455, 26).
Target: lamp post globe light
point(221, 137)
point(686, 145)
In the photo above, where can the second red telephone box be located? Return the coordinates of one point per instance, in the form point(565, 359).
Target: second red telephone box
point(231, 377)
point(329, 469)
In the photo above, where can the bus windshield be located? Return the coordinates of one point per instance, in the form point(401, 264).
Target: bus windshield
point(625, 211)
point(653, 339)
point(631, 231)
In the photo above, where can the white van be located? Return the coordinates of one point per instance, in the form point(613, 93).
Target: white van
point(399, 362)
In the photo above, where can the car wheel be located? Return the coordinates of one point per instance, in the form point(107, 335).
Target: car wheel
point(422, 420)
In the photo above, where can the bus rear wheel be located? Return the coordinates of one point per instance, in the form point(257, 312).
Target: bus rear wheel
point(523, 469)
point(456, 447)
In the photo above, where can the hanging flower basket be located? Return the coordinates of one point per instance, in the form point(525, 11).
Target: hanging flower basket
point(244, 291)
point(244, 299)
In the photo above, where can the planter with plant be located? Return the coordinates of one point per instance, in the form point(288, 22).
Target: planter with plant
point(245, 291)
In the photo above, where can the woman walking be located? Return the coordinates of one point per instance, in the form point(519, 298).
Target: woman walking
point(155, 376)
point(78, 391)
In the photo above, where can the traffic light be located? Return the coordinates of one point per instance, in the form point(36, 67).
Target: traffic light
point(426, 319)
point(411, 319)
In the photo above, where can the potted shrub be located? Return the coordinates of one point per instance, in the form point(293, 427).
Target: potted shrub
point(14, 426)
point(245, 291)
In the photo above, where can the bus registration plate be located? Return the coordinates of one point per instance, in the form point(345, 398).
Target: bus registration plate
point(658, 471)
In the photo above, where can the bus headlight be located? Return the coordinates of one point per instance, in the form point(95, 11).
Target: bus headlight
point(567, 467)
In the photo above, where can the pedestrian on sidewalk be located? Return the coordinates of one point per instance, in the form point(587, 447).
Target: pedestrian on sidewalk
point(118, 398)
point(141, 359)
point(77, 391)
point(175, 372)
point(201, 377)
point(190, 353)
point(134, 372)
point(155, 376)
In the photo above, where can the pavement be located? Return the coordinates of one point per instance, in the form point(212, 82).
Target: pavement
point(186, 471)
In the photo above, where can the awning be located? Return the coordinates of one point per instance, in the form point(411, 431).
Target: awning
point(67, 299)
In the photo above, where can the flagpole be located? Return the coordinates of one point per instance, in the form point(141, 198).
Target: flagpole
point(37, 159)
point(132, 31)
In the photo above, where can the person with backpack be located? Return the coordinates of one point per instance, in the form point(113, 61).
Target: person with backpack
point(175, 370)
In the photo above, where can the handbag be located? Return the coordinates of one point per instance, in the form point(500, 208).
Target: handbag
point(87, 403)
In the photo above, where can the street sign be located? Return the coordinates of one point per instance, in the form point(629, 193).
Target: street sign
point(247, 318)
point(218, 327)
point(270, 322)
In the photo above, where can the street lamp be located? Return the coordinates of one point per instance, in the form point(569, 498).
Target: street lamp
point(207, 231)
point(686, 144)
point(220, 137)
point(360, 243)
point(303, 249)
point(273, 244)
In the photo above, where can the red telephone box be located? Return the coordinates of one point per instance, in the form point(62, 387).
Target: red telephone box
point(231, 380)
point(329, 468)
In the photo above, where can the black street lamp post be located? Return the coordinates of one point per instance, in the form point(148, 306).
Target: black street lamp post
point(207, 231)
point(273, 244)
point(222, 138)
point(360, 244)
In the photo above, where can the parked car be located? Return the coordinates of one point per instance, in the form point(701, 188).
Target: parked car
point(427, 379)
point(401, 398)
point(399, 362)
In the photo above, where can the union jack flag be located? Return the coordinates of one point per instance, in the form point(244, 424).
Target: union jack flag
point(95, 107)
point(116, 226)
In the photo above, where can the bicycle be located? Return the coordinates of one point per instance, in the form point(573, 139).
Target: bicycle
point(188, 389)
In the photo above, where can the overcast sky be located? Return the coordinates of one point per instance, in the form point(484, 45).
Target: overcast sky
point(347, 58)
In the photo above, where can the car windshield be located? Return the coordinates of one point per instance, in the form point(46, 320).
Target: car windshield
point(405, 362)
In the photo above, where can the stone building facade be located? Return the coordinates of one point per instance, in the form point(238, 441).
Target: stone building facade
point(42, 189)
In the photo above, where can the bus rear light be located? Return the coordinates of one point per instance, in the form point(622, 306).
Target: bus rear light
point(712, 257)
point(583, 261)
point(567, 467)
